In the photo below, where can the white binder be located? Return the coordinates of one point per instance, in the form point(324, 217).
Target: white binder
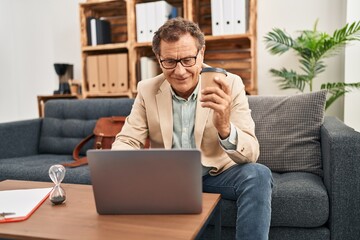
point(150, 20)
point(93, 32)
point(228, 17)
point(241, 10)
point(152, 68)
point(216, 17)
point(143, 68)
point(148, 68)
point(141, 25)
point(163, 12)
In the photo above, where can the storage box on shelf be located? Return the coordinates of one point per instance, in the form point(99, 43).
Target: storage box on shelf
point(234, 52)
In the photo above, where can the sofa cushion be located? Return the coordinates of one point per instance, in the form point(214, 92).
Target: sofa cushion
point(68, 121)
point(288, 130)
point(299, 199)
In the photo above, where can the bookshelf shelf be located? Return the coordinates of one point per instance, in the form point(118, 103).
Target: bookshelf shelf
point(112, 46)
point(143, 44)
point(236, 53)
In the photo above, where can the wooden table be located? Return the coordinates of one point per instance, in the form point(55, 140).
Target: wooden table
point(78, 219)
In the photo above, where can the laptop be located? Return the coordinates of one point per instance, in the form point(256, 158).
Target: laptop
point(152, 181)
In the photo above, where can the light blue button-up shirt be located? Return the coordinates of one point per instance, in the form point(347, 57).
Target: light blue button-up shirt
point(184, 123)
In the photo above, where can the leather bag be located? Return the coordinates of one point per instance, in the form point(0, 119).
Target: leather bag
point(105, 131)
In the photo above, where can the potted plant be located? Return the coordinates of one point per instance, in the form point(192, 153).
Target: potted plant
point(312, 47)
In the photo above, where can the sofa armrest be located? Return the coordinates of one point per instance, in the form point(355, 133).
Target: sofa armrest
point(340, 146)
point(19, 138)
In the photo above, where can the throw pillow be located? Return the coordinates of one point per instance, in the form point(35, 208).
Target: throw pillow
point(288, 130)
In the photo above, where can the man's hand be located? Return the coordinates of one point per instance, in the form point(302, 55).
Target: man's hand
point(219, 99)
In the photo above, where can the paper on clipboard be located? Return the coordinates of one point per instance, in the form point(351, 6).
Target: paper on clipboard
point(22, 202)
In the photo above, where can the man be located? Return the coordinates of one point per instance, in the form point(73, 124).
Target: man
point(172, 111)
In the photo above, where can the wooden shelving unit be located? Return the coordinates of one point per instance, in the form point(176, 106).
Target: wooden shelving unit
point(235, 53)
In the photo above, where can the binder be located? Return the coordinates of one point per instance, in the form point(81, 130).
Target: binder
point(103, 73)
point(150, 20)
point(143, 68)
point(216, 17)
point(163, 12)
point(103, 31)
point(152, 68)
point(149, 68)
point(100, 31)
point(241, 15)
point(93, 32)
point(92, 73)
point(228, 17)
point(21, 203)
point(141, 25)
point(88, 30)
point(118, 72)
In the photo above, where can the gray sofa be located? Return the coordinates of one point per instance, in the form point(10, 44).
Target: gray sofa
point(310, 200)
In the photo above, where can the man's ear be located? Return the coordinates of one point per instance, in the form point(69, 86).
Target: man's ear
point(202, 51)
point(158, 59)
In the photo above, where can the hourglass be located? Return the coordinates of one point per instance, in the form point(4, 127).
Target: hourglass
point(57, 174)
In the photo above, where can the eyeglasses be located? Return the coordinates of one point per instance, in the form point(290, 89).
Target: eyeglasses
point(185, 62)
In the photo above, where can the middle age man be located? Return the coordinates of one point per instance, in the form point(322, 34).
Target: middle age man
point(172, 112)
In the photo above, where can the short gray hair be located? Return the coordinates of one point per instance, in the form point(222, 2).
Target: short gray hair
point(173, 29)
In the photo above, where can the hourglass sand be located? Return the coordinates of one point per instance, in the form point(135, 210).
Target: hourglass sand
point(57, 174)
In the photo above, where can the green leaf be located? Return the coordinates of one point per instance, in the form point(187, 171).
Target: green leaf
point(337, 90)
point(278, 41)
point(289, 79)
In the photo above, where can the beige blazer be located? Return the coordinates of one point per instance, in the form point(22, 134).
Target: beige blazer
point(151, 116)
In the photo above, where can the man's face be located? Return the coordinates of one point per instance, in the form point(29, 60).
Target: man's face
point(182, 79)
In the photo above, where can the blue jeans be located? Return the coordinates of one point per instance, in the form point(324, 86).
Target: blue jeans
point(250, 185)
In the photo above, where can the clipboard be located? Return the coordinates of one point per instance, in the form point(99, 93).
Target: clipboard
point(21, 203)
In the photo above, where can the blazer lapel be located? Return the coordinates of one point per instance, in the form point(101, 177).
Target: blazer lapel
point(164, 107)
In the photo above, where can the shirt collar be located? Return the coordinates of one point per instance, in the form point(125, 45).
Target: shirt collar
point(192, 97)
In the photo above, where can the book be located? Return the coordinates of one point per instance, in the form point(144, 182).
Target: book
point(98, 31)
point(103, 31)
point(21, 203)
point(88, 30)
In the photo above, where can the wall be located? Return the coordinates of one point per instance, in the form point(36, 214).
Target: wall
point(352, 71)
point(34, 35)
point(44, 32)
point(293, 16)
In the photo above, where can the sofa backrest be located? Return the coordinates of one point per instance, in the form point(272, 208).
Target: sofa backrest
point(287, 127)
point(288, 130)
point(68, 121)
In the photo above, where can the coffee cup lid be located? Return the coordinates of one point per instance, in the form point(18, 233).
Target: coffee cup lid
point(210, 69)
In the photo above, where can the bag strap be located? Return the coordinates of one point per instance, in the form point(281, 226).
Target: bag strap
point(79, 161)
